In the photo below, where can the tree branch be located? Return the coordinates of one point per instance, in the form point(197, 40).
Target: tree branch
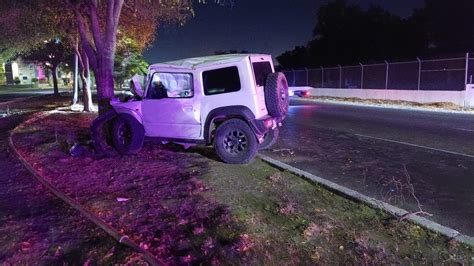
point(91, 53)
point(117, 11)
point(110, 21)
point(95, 25)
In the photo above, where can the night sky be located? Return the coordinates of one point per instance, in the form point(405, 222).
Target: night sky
point(259, 26)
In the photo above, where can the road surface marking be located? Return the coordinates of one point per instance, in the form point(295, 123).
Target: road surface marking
point(415, 145)
point(464, 129)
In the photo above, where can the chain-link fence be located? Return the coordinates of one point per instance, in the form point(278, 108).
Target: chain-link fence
point(449, 74)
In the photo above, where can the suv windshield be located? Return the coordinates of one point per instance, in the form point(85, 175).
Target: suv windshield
point(261, 71)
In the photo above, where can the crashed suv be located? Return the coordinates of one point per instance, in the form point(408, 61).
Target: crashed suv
point(234, 102)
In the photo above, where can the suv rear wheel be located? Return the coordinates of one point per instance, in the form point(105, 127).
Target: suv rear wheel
point(235, 142)
point(128, 134)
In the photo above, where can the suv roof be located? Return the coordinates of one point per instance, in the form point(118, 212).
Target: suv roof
point(205, 61)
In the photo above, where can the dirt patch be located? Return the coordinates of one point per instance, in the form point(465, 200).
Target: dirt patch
point(153, 197)
point(376, 102)
point(36, 227)
point(186, 207)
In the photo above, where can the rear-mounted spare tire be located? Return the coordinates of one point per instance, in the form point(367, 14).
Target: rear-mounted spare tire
point(276, 94)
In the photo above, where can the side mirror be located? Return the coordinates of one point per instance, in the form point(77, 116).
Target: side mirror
point(136, 85)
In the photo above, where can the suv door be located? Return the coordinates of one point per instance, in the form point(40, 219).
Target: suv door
point(168, 107)
point(262, 66)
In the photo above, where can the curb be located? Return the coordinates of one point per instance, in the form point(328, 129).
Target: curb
point(393, 210)
point(122, 239)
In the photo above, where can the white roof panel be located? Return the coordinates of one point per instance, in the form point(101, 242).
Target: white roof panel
point(197, 62)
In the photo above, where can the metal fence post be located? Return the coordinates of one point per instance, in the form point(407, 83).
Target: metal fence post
point(322, 77)
point(467, 70)
point(386, 75)
point(294, 77)
point(307, 77)
point(340, 76)
point(362, 76)
point(419, 72)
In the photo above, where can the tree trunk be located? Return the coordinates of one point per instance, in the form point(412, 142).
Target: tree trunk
point(105, 83)
point(86, 86)
point(75, 92)
point(54, 73)
point(99, 43)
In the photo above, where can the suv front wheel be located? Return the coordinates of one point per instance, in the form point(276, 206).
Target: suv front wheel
point(235, 142)
point(128, 134)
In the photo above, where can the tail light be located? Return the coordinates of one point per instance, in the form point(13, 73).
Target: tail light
point(268, 123)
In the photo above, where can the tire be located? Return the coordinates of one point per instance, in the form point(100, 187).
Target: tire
point(276, 94)
point(100, 131)
point(128, 135)
point(235, 142)
point(269, 139)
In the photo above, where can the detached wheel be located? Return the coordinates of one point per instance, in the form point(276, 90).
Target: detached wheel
point(269, 139)
point(128, 135)
point(235, 142)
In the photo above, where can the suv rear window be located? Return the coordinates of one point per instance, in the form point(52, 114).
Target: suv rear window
point(222, 80)
point(261, 71)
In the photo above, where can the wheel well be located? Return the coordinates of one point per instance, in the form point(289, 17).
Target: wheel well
point(216, 122)
point(219, 115)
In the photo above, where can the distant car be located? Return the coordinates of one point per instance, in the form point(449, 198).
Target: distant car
point(299, 93)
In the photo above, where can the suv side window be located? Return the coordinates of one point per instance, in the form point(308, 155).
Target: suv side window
point(170, 85)
point(261, 71)
point(223, 80)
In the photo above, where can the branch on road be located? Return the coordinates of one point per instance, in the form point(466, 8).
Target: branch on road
point(411, 189)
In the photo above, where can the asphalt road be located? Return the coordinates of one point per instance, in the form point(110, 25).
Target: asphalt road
point(10, 94)
point(400, 156)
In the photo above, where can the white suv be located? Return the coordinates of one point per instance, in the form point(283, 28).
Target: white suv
point(235, 102)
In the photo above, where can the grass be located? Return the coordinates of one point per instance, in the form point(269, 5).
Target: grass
point(293, 221)
point(190, 208)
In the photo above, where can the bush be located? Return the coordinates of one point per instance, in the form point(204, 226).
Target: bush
point(16, 80)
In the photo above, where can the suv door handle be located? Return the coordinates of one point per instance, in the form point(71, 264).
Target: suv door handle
point(188, 108)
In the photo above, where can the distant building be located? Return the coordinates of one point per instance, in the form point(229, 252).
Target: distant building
point(25, 71)
point(29, 72)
